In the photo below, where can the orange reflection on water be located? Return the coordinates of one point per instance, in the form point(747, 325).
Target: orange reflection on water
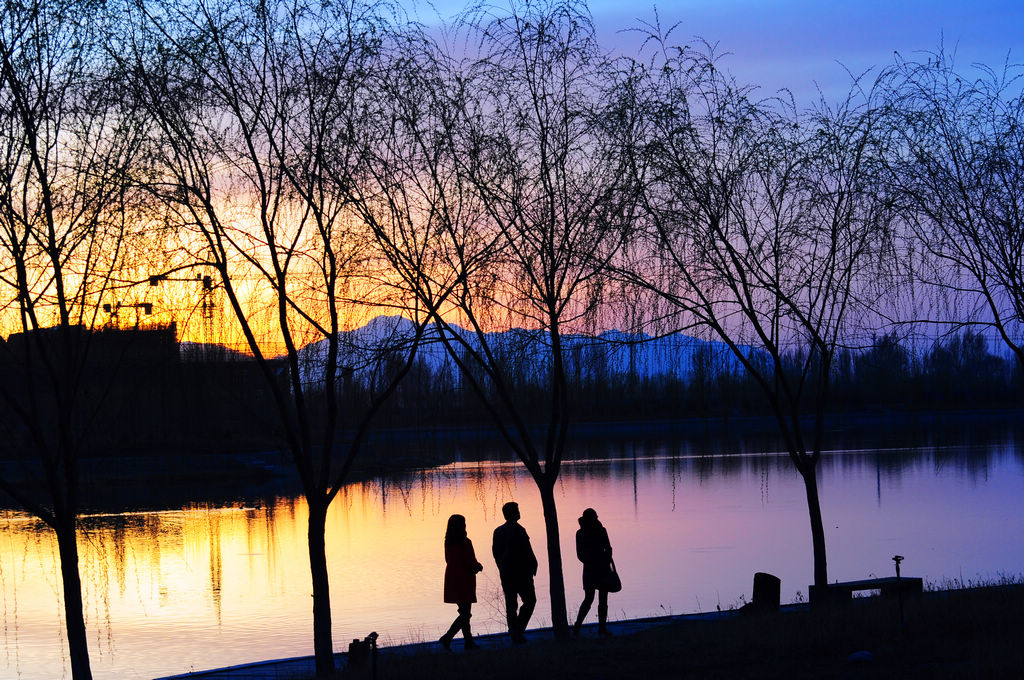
point(203, 587)
point(212, 586)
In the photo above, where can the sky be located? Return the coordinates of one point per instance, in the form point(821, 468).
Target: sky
point(804, 45)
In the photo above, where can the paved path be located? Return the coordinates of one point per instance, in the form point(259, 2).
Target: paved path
point(303, 667)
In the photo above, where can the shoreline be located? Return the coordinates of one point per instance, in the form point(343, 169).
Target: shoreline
point(867, 633)
point(159, 480)
point(300, 666)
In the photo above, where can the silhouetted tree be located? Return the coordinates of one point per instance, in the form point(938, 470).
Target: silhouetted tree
point(250, 103)
point(66, 149)
point(765, 225)
point(541, 156)
point(957, 166)
point(883, 368)
point(961, 369)
point(885, 357)
point(497, 196)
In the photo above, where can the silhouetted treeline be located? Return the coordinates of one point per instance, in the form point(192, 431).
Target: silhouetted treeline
point(956, 372)
point(151, 398)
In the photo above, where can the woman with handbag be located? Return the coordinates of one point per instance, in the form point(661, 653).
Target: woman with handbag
point(595, 552)
point(459, 580)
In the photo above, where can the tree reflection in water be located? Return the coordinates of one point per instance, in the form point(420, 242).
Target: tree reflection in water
point(215, 584)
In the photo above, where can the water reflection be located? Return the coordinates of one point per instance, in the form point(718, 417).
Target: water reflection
point(205, 586)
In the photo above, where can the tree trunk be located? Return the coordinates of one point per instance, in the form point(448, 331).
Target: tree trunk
point(78, 648)
point(556, 580)
point(323, 645)
point(810, 476)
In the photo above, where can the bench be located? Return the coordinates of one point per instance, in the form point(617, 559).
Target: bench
point(889, 586)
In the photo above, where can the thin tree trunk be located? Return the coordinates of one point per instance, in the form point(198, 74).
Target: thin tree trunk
point(556, 580)
point(323, 645)
point(78, 648)
point(817, 528)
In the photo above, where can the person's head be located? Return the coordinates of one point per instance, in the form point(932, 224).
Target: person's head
point(511, 511)
point(456, 530)
point(589, 518)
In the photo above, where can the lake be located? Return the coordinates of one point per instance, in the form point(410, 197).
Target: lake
point(216, 584)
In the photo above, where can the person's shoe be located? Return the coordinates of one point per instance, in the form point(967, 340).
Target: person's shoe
point(470, 646)
point(576, 630)
point(604, 632)
point(446, 642)
point(519, 639)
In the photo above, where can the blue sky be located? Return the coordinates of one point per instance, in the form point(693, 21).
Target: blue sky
point(798, 43)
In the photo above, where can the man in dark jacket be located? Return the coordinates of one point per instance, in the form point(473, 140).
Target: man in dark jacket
point(517, 566)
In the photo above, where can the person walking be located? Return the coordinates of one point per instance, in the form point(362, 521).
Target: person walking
point(517, 565)
point(459, 580)
point(594, 550)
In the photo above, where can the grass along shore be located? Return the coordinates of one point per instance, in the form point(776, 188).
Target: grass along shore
point(956, 631)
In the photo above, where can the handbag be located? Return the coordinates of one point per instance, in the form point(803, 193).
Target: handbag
point(612, 582)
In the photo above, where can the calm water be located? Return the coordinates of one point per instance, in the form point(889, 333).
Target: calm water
point(202, 587)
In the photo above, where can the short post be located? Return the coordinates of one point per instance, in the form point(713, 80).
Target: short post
point(766, 593)
point(899, 590)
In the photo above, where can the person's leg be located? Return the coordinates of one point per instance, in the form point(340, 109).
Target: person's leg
point(529, 597)
point(588, 599)
point(602, 613)
point(457, 624)
point(511, 608)
point(466, 613)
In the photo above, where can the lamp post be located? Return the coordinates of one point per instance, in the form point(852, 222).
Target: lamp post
point(899, 591)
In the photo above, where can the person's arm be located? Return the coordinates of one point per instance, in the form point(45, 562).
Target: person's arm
point(473, 565)
point(498, 548)
point(579, 545)
point(529, 552)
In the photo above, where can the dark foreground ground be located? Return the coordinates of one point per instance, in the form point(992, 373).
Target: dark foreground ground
point(969, 633)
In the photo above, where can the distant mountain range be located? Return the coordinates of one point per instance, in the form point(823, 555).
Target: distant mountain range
point(526, 353)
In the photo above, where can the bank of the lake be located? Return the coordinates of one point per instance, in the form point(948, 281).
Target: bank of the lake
point(963, 633)
point(165, 478)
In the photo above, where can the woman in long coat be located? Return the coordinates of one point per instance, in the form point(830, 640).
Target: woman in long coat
point(594, 550)
point(459, 579)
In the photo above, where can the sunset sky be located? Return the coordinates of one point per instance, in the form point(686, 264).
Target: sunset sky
point(800, 43)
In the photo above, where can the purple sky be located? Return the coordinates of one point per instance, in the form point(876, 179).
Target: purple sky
point(797, 43)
